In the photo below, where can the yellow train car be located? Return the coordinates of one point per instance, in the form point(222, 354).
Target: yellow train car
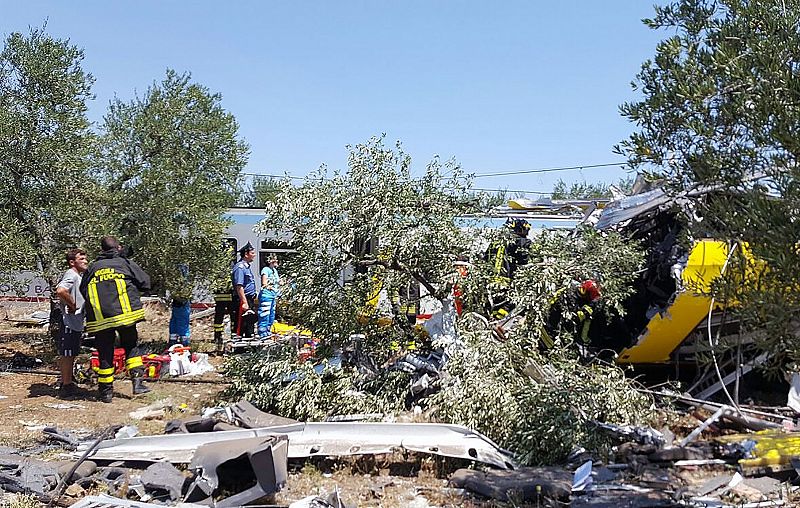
point(690, 306)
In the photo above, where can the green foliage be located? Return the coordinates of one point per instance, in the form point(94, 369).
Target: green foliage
point(586, 190)
point(275, 381)
point(261, 191)
point(560, 260)
point(539, 408)
point(488, 387)
point(46, 195)
point(721, 107)
point(580, 190)
point(410, 221)
point(171, 161)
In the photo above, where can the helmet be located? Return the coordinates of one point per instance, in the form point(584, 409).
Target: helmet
point(518, 226)
point(589, 290)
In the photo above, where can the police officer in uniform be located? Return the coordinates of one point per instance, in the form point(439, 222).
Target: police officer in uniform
point(244, 293)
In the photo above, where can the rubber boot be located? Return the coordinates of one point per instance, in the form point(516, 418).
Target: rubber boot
point(105, 392)
point(138, 383)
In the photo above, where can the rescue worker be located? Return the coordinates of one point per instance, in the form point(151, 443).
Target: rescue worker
point(244, 293)
point(461, 265)
point(111, 288)
point(580, 303)
point(268, 297)
point(179, 328)
point(507, 255)
point(181, 310)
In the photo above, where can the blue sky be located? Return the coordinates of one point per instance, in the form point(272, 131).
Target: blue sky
point(499, 86)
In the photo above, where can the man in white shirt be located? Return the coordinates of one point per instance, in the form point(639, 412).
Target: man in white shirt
point(71, 302)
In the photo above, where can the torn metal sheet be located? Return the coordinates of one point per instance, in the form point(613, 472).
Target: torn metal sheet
point(632, 206)
point(106, 501)
point(163, 476)
point(251, 417)
point(259, 463)
point(320, 439)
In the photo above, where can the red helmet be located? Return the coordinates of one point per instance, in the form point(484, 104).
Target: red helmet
point(589, 290)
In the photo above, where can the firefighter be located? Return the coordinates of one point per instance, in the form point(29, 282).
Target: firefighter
point(111, 287)
point(579, 302)
point(507, 255)
point(244, 293)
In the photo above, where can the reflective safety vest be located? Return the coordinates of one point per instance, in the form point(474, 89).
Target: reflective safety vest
point(111, 288)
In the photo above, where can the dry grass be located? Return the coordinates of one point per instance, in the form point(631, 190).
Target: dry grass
point(19, 501)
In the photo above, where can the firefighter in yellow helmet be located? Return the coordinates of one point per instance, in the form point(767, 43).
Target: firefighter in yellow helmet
point(111, 287)
point(506, 255)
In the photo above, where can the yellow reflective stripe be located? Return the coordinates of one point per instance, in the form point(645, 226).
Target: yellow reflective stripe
point(113, 322)
point(585, 331)
point(105, 372)
point(124, 301)
point(548, 341)
point(219, 328)
point(98, 312)
point(222, 298)
point(132, 363)
point(105, 380)
point(498, 259)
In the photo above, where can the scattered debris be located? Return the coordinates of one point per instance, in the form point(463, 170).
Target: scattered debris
point(334, 439)
point(259, 463)
point(527, 484)
point(36, 318)
point(163, 476)
point(63, 405)
point(155, 410)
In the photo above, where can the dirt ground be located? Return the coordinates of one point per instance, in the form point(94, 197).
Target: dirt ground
point(29, 402)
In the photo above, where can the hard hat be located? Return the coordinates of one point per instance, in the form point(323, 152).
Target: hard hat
point(589, 290)
point(519, 226)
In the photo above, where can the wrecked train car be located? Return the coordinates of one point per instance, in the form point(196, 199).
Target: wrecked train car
point(672, 311)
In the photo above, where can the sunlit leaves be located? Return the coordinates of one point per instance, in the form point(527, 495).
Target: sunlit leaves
point(172, 161)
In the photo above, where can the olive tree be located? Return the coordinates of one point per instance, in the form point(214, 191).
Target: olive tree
point(47, 198)
point(372, 229)
point(721, 110)
point(171, 161)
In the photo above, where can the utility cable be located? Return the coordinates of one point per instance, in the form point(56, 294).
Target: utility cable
point(492, 174)
point(548, 170)
point(711, 341)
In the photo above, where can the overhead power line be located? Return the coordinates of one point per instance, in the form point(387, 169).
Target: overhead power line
point(487, 175)
point(549, 170)
point(522, 191)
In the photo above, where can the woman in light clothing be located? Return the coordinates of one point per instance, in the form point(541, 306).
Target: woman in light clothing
point(268, 297)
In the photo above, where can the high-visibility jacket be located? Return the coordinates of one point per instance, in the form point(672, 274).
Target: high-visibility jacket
point(506, 257)
point(572, 302)
point(111, 287)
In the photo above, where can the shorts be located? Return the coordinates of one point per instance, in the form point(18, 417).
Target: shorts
point(69, 342)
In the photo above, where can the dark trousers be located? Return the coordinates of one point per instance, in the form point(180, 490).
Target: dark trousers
point(104, 342)
point(244, 325)
point(221, 309)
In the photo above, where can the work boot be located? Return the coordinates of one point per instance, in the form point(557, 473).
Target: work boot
point(138, 383)
point(68, 392)
point(105, 392)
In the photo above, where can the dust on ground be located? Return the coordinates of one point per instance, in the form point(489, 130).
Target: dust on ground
point(29, 402)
